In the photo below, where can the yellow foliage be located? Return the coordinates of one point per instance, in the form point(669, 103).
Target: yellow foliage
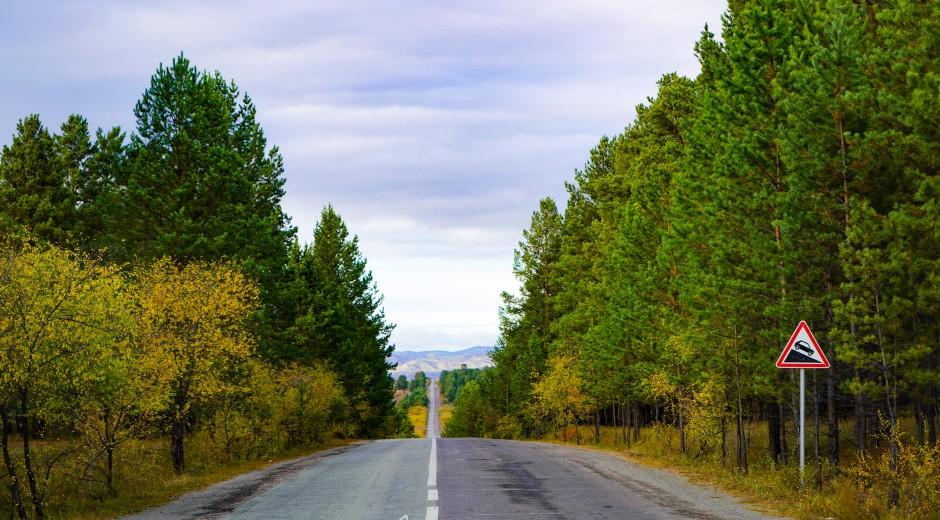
point(559, 397)
point(85, 347)
point(310, 400)
point(271, 411)
point(192, 322)
point(59, 316)
point(445, 412)
point(916, 478)
point(704, 418)
point(418, 415)
point(661, 387)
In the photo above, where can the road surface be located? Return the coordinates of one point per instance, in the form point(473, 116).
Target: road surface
point(454, 479)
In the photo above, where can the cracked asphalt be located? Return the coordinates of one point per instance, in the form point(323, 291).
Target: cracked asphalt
point(473, 479)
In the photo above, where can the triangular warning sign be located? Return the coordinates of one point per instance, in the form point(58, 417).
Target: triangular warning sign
point(802, 350)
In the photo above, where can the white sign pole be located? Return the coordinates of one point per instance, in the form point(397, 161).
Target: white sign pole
point(802, 351)
point(802, 422)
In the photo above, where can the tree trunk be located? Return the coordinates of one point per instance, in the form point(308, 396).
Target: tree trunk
point(636, 422)
point(919, 421)
point(831, 418)
point(724, 442)
point(931, 409)
point(15, 491)
point(627, 424)
point(597, 425)
point(624, 425)
point(178, 432)
point(773, 431)
point(891, 403)
point(681, 427)
point(931, 414)
point(784, 450)
point(110, 450)
point(741, 441)
point(176, 446)
point(26, 431)
point(110, 443)
point(816, 459)
point(741, 451)
point(860, 436)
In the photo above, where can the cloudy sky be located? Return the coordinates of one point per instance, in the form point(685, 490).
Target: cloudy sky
point(433, 127)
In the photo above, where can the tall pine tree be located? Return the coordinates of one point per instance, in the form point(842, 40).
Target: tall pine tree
point(341, 320)
point(201, 183)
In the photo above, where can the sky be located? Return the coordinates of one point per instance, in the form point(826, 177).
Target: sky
point(433, 127)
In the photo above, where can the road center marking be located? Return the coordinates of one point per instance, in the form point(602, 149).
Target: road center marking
point(432, 512)
point(432, 482)
point(432, 465)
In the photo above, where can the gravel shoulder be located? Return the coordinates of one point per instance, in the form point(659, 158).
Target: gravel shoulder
point(660, 485)
point(220, 499)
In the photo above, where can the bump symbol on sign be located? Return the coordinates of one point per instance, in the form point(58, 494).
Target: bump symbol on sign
point(802, 350)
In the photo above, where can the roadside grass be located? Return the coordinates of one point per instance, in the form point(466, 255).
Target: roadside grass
point(776, 489)
point(418, 415)
point(143, 477)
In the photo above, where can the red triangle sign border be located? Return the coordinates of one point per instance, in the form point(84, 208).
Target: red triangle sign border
point(783, 364)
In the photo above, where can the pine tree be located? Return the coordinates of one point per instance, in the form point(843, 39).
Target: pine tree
point(642, 312)
point(202, 183)
point(907, 140)
point(34, 195)
point(733, 189)
point(526, 318)
point(342, 321)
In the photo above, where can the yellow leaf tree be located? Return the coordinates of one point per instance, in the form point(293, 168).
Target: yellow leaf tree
point(59, 315)
point(192, 322)
point(559, 396)
point(125, 402)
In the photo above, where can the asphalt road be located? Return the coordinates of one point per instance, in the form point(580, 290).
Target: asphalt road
point(434, 419)
point(455, 479)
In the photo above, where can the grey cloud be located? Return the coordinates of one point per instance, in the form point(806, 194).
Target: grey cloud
point(434, 127)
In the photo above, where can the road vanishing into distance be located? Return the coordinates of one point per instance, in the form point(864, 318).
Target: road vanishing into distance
point(434, 478)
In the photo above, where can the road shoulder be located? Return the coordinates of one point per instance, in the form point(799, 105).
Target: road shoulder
point(635, 473)
point(223, 497)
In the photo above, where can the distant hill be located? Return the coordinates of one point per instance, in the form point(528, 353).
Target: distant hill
point(433, 362)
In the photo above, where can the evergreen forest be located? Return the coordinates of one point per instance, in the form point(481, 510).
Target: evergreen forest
point(794, 178)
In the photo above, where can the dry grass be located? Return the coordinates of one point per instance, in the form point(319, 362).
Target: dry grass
point(418, 415)
point(144, 478)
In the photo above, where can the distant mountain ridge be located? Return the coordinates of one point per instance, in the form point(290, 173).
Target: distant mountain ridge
point(432, 362)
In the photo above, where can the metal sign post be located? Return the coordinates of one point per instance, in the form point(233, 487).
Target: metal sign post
point(802, 422)
point(802, 351)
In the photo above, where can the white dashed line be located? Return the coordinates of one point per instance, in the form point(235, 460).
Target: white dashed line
point(432, 461)
point(432, 465)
